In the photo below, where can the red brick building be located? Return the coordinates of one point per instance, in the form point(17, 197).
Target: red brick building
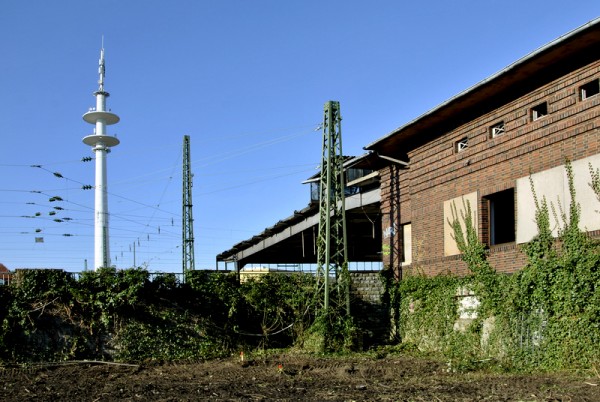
point(5, 275)
point(482, 145)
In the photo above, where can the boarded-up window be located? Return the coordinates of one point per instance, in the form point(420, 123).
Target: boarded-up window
point(553, 185)
point(406, 244)
point(450, 247)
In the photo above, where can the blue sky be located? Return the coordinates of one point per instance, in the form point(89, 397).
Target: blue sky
point(247, 81)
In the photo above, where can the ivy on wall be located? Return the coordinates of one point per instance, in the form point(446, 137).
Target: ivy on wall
point(544, 317)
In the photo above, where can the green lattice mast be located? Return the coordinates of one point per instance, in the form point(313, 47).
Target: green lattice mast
point(187, 218)
point(332, 255)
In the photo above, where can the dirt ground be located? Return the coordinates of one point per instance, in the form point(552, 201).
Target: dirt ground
point(285, 378)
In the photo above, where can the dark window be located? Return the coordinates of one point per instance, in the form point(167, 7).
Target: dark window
point(315, 192)
point(501, 217)
point(353, 174)
point(539, 111)
point(590, 89)
point(497, 129)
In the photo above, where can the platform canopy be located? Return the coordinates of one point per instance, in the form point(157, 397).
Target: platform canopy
point(293, 240)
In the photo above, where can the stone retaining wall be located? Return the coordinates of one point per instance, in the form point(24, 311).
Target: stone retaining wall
point(370, 307)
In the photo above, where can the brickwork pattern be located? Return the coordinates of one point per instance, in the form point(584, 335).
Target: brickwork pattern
point(368, 307)
point(438, 172)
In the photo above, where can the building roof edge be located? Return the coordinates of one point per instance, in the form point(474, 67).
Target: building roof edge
point(523, 60)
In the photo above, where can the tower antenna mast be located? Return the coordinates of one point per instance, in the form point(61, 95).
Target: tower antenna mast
point(101, 142)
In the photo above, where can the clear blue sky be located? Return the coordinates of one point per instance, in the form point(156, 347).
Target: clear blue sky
point(247, 81)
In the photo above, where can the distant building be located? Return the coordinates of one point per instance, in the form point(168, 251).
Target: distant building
point(255, 273)
point(5, 275)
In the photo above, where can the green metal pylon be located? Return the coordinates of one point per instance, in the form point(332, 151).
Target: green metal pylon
point(332, 255)
point(187, 218)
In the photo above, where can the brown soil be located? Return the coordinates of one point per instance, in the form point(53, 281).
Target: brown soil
point(285, 378)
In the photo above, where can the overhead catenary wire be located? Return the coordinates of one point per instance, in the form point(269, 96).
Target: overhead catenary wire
point(152, 218)
point(248, 183)
point(59, 175)
point(164, 192)
point(216, 158)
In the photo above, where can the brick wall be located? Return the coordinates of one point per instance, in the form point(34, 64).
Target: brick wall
point(439, 173)
point(369, 307)
point(396, 211)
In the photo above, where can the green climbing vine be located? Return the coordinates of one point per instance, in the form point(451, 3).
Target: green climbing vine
point(561, 285)
point(544, 317)
point(486, 283)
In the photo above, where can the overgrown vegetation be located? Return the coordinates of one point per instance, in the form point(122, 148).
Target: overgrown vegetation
point(544, 317)
point(333, 328)
point(122, 315)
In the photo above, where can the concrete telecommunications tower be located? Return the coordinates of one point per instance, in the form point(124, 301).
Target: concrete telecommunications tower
point(101, 143)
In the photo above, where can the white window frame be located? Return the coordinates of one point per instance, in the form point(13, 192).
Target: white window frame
point(593, 84)
point(539, 111)
point(462, 144)
point(497, 129)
